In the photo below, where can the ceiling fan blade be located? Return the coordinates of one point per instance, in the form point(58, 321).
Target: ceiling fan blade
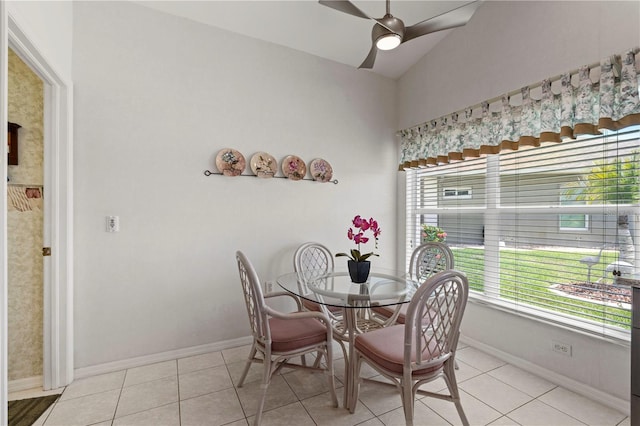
point(345, 6)
point(371, 58)
point(452, 19)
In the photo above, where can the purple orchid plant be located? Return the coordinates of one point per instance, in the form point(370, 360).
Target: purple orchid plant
point(357, 235)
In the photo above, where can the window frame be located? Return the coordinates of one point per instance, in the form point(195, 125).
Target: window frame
point(416, 208)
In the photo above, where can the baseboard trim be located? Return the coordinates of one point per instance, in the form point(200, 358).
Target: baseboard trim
point(124, 364)
point(614, 402)
point(24, 384)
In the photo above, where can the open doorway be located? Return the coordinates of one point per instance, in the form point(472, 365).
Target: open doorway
point(25, 226)
point(57, 230)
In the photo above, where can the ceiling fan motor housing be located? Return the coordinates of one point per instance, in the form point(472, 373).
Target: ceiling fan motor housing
point(386, 25)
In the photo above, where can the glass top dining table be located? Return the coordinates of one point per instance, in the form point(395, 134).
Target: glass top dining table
point(382, 288)
point(358, 302)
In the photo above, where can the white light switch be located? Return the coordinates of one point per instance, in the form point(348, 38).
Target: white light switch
point(113, 223)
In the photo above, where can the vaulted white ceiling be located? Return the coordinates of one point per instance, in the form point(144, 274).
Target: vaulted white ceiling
point(310, 27)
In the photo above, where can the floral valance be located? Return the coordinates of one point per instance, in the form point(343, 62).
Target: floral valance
point(613, 103)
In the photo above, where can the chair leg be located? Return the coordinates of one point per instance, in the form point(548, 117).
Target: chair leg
point(452, 384)
point(258, 417)
point(269, 367)
point(351, 401)
point(407, 400)
point(318, 360)
point(252, 355)
point(330, 373)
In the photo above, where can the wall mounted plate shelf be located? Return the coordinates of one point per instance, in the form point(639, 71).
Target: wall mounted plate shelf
point(210, 173)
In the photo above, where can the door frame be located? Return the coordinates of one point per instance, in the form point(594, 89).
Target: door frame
point(58, 211)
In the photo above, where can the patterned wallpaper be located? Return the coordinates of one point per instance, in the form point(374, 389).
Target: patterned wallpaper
point(25, 224)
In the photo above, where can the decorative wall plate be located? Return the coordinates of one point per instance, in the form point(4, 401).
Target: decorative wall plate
point(263, 165)
point(294, 168)
point(320, 170)
point(230, 162)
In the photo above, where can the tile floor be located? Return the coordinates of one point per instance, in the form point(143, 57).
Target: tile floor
point(201, 390)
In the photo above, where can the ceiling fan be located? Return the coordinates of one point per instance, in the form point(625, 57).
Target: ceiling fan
point(389, 32)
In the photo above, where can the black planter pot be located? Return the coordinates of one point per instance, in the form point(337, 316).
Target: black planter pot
point(359, 271)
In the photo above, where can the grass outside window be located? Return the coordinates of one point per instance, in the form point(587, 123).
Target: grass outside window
point(527, 277)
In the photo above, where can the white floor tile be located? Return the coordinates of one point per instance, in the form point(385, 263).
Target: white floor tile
point(149, 373)
point(242, 422)
point(422, 416)
point(504, 421)
point(536, 413)
point(167, 415)
point(372, 422)
point(477, 412)
point(587, 411)
point(324, 413)
point(237, 354)
point(217, 408)
point(85, 410)
point(306, 384)
point(380, 398)
point(522, 380)
point(278, 394)
point(95, 384)
point(289, 415)
point(235, 371)
point(202, 382)
point(200, 362)
point(494, 393)
point(465, 371)
point(625, 422)
point(148, 395)
point(478, 359)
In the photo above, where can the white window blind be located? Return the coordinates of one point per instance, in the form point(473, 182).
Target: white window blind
point(544, 230)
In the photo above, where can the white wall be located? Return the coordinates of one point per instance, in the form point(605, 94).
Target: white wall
point(156, 98)
point(49, 25)
point(505, 46)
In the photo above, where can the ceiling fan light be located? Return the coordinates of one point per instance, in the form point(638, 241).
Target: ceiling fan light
point(388, 41)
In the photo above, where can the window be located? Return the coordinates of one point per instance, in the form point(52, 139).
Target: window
point(462, 193)
point(517, 240)
point(568, 222)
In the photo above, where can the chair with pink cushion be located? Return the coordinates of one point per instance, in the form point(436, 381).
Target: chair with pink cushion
point(312, 260)
point(278, 336)
point(426, 260)
point(424, 347)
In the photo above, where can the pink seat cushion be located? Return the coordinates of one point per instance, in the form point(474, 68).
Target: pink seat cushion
point(385, 347)
point(289, 335)
point(388, 311)
point(314, 306)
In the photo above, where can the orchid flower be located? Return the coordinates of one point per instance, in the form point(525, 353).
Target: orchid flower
point(357, 235)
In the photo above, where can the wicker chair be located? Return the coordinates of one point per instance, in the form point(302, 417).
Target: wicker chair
point(312, 260)
point(280, 336)
point(423, 349)
point(426, 260)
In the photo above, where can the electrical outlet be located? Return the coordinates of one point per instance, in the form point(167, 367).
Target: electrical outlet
point(113, 223)
point(561, 348)
point(268, 286)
